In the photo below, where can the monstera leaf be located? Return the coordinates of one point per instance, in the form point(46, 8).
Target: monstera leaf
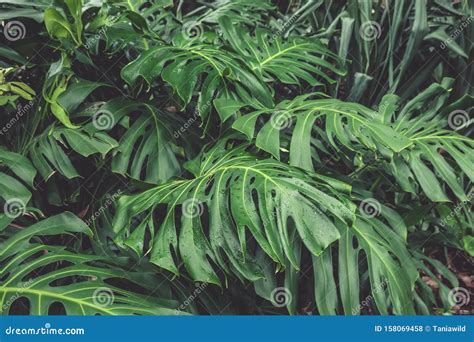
point(413, 144)
point(239, 10)
point(390, 267)
point(437, 146)
point(289, 60)
point(444, 279)
point(209, 222)
point(371, 253)
point(349, 125)
point(233, 195)
point(192, 66)
point(15, 191)
point(48, 151)
point(145, 150)
point(46, 275)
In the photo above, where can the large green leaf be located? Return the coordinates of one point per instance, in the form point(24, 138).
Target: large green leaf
point(239, 195)
point(146, 150)
point(239, 10)
point(191, 66)
point(347, 124)
point(372, 249)
point(47, 275)
point(417, 143)
point(48, 151)
point(290, 60)
point(15, 192)
point(438, 149)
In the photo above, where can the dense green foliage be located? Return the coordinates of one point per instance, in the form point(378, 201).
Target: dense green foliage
point(302, 157)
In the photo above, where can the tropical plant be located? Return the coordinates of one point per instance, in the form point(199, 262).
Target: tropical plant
point(238, 157)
